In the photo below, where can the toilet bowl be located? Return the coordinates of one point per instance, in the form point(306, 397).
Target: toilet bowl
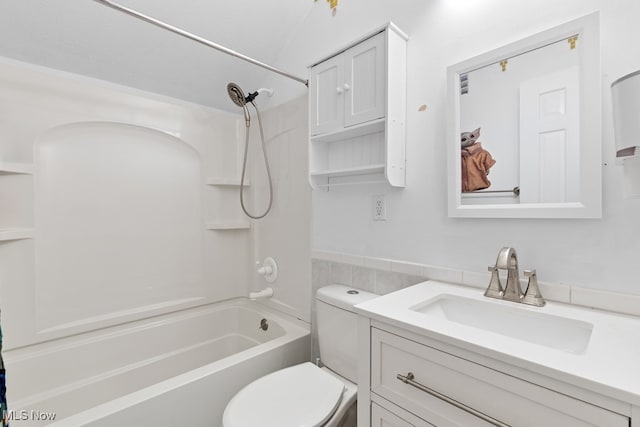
point(306, 395)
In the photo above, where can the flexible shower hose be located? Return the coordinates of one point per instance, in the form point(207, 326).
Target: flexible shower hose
point(244, 164)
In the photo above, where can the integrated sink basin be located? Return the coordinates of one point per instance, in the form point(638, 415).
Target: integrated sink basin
point(511, 320)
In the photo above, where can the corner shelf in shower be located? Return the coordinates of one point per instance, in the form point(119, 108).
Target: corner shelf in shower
point(7, 168)
point(227, 182)
point(228, 225)
point(8, 234)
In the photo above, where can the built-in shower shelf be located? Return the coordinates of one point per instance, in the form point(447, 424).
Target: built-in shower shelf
point(7, 168)
point(231, 225)
point(7, 234)
point(230, 182)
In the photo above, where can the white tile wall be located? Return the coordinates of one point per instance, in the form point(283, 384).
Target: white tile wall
point(611, 301)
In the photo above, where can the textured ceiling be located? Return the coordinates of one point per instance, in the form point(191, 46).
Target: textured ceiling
point(84, 37)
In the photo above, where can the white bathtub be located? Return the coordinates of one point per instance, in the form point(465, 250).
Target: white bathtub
point(179, 369)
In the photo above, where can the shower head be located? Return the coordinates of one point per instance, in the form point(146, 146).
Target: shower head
point(238, 98)
point(236, 95)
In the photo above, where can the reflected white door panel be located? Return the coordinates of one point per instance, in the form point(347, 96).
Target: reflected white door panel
point(550, 138)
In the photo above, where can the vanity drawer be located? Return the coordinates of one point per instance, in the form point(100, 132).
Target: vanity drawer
point(383, 417)
point(447, 390)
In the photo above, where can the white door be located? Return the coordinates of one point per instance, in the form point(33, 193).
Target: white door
point(364, 79)
point(550, 138)
point(326, 91)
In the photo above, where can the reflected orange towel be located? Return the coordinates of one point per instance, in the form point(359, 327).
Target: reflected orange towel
point(475, 162)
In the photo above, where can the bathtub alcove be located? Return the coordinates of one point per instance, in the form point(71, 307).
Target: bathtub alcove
point(121, 327)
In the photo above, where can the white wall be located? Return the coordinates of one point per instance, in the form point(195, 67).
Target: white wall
point(284, 234)
point(52, 291)
point(591, 253)
point(118, 216)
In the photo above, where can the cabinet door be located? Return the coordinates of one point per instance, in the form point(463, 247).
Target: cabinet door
point(326, 92)
point(364, 81)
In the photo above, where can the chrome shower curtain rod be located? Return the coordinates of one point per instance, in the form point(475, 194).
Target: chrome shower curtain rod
point(198, 39)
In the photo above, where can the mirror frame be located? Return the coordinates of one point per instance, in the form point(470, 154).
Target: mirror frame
point(590, 205)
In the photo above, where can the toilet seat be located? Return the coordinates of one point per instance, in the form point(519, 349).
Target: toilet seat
point(302, 395)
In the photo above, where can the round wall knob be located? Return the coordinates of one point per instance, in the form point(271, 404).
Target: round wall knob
point(269, 269)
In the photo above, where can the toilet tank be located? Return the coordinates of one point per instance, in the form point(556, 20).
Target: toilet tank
point(338, 328)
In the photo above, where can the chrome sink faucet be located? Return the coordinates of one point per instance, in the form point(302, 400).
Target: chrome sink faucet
point(508, 260)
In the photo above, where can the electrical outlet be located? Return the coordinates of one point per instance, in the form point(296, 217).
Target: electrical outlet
point(379, 208)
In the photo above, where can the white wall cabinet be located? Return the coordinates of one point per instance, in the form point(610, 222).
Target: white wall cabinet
point(348, 89)
point(453, 387)
point(357, 112)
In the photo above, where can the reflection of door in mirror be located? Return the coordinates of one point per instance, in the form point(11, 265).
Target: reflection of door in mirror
point(550, 138)
point(528, 109)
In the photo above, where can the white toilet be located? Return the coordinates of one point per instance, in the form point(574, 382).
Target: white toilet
point(306, 395)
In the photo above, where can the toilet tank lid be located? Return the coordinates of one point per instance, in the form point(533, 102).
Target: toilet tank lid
point(344, 297)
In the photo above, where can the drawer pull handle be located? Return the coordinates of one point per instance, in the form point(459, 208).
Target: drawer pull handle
point(409, 379)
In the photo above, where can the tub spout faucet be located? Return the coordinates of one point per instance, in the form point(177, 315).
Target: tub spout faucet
point(508, 260)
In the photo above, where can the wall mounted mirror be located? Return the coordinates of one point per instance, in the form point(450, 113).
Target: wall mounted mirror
point(524, 127)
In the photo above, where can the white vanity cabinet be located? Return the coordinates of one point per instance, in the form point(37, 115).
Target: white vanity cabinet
point(357, 103)
point(411, 380)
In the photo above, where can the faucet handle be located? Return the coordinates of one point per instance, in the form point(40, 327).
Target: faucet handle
point(494, 290)
point(532, 295)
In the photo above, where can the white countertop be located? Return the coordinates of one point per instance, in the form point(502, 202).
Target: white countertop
point(610, 365)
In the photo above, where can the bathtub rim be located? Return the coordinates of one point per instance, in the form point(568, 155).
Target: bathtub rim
point(38, 349)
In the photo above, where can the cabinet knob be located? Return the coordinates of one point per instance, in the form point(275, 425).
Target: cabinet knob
point(347, 88)
point(339, 90)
